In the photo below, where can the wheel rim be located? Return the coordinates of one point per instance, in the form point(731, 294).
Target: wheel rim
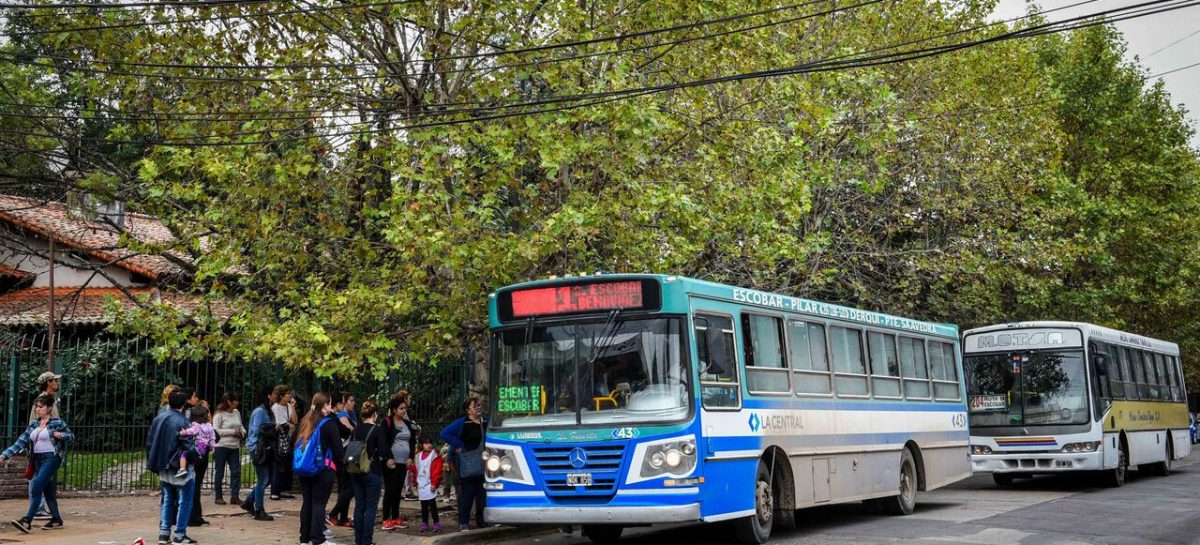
point(907, 490)
point(765, 503)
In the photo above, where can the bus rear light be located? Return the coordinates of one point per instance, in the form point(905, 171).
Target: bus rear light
point(981, 449)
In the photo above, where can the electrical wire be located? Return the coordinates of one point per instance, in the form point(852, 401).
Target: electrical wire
point(1139, 10)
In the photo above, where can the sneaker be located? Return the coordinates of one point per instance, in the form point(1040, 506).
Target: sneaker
point(263, 516)
point(184, 539)
point(285, 496)
point(389, 524)
point(424, 528)
point(42, 515)
point(328, 534)
point(248, 506)
point(437, 527)
point(463, 527)
point(410, 496)
point(23, 524)
point(181, 474)
point(330, 521)
point(400, 524)
point(200, 522)
point(53, 525)
point(275, 496)
point(345, 523)
point(164, 539)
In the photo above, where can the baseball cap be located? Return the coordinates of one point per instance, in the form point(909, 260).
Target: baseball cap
point(47, 377)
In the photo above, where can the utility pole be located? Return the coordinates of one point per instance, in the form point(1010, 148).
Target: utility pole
point(50, 352)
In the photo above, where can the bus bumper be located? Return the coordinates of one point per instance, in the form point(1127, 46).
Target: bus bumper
point(1037, 462)
point(592, 515)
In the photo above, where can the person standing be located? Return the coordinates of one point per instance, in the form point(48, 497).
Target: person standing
point(227, 422)
point(427, 468)
point(316, 489)
point(163, 447)
point(402, 443)
point(465, 436)
point(206, 439)
point(261, 442)
point(46, 438)
point(284, 411)
point(48, 384)
point(163, 404)
point(343, 404)
point(367, 486)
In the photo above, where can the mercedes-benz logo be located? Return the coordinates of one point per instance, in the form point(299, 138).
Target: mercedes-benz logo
point(577, 458)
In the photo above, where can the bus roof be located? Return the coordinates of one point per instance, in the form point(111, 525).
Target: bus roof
point(753, 298)
point(1106, 334)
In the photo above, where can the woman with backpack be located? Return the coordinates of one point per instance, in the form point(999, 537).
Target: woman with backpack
point(315, 460)
point(260, 442)
point(366, 457)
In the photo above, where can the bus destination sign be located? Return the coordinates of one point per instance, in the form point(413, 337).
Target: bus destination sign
point(577, 298)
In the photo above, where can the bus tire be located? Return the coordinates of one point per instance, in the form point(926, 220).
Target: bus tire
point(602, 533)
point(904, 502)
point(1002, 479)
point(1115, 477)
point(1163, 468)
point(756, 529)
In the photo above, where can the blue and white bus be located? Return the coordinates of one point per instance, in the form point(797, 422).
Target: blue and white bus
point(631, 400)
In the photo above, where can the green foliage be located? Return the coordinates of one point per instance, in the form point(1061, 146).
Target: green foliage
point(1038, 178)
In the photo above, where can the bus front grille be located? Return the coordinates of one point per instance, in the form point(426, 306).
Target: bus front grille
point(602, 462)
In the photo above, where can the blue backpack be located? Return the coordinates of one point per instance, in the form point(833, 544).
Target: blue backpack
point(308, 460)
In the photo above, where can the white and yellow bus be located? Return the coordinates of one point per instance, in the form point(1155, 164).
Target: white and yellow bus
point(1054, 397)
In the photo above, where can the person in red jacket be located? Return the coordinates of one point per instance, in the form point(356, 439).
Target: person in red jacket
point(427, 470)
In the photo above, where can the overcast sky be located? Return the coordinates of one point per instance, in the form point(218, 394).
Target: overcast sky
point(1145, 36)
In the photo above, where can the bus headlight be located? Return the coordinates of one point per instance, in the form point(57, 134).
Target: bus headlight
point(981, 449)
point(501, 463)
point(1086, 446)
point(675, 457)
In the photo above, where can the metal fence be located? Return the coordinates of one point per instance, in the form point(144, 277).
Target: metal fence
point(111, 389)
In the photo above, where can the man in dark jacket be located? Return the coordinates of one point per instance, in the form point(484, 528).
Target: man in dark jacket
point(163, 448)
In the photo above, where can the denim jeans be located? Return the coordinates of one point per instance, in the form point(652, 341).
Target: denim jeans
point(263, 473)
point(176, 507)
point(232, 457)
point(43, 485)
point(366, 500)
point(473, 495)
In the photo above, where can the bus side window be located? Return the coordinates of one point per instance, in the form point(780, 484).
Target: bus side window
point(1116, 376)
point(1137, 375)
point(914, 368)
point(850, 369)
point(1164, 382)
point(945, 371)
point(885, 367)
point(810, 360)
point(766, 368)
point(717, 360)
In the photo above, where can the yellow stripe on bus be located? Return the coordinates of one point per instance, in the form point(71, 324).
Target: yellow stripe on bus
point(1145, 415)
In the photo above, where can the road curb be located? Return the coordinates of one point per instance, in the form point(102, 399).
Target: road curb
point(488, 534)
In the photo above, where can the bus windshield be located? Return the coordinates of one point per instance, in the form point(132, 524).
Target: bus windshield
point(596, 373)
point(1026, 389)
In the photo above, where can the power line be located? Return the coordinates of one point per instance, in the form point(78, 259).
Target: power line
point(128, 6)
point(1139, 10)
point(1172, 44)
point(1180, 69)
point(15, 59)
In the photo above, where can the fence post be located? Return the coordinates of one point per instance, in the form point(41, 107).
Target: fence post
point(11, 420)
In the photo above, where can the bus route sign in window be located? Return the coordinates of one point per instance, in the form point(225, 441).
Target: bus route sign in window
point(520, 399)
point(579, 298)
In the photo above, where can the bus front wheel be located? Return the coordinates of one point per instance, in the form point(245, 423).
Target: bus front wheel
point(602, 533)
point(756, 529)
point(1115, 477)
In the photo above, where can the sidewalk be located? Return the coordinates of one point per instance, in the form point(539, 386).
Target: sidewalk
point(121, 520)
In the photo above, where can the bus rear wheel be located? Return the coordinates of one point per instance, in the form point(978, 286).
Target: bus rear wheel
point(756, 529)
point(602, 533)
point(1163, 468)
point(905, 501)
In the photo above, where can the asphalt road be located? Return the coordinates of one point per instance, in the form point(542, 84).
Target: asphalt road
point(1046, 510)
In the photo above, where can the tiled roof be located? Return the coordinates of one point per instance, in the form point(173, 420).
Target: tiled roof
point(75, 306)
point(16, 274)
point(48, 218)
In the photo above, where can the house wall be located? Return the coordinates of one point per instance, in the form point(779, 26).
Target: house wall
point(29, 258)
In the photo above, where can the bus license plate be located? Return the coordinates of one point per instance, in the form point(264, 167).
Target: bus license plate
point(579, 479)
